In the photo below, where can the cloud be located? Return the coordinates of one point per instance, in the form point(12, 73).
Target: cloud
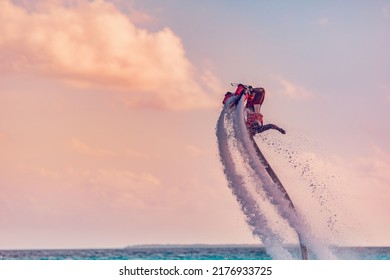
point(117, 187)
point(39, 171)
point(92, 44)
point(375, 166)
point(134, 154)
point(135, 16)
point(85, 149)
point(76, 192)
point(294, 91)
point(365, 180)
point(194, 151)
point(123, 179)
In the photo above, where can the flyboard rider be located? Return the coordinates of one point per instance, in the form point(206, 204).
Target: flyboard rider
point(254, 100)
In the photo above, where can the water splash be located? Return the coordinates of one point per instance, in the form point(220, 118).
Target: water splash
point(236, 148)
point(244, 192)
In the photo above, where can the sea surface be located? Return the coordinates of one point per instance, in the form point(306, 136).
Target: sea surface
point(185, 253)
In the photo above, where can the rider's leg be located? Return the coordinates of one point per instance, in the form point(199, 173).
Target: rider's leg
point(256, 128)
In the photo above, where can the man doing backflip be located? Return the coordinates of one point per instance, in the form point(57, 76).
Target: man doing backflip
point(255, 98)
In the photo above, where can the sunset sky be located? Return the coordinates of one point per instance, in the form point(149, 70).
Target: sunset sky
point(108, 111)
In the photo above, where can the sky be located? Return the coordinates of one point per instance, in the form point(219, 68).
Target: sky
point(108, 111)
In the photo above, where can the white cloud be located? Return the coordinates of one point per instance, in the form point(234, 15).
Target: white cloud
point(93, 44)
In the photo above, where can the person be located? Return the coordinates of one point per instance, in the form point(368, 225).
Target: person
point(254, 120)
point(255, 98)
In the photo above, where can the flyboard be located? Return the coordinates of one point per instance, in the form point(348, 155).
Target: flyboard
point(281, 188)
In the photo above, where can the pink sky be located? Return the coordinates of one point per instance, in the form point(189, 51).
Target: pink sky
point(107, 136)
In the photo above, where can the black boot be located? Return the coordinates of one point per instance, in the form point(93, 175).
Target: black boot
point(281, 130)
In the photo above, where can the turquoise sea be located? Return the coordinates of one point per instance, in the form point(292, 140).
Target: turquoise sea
point(195, 252)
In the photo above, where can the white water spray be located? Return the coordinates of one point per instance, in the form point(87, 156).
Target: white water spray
point(233, 134)
point(256, 220)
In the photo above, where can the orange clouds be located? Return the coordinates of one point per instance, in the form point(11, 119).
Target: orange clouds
point(93, 152)
point(92, 44)
point(84, 149)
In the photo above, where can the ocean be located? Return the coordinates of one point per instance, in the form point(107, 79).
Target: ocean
point(196, 252)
